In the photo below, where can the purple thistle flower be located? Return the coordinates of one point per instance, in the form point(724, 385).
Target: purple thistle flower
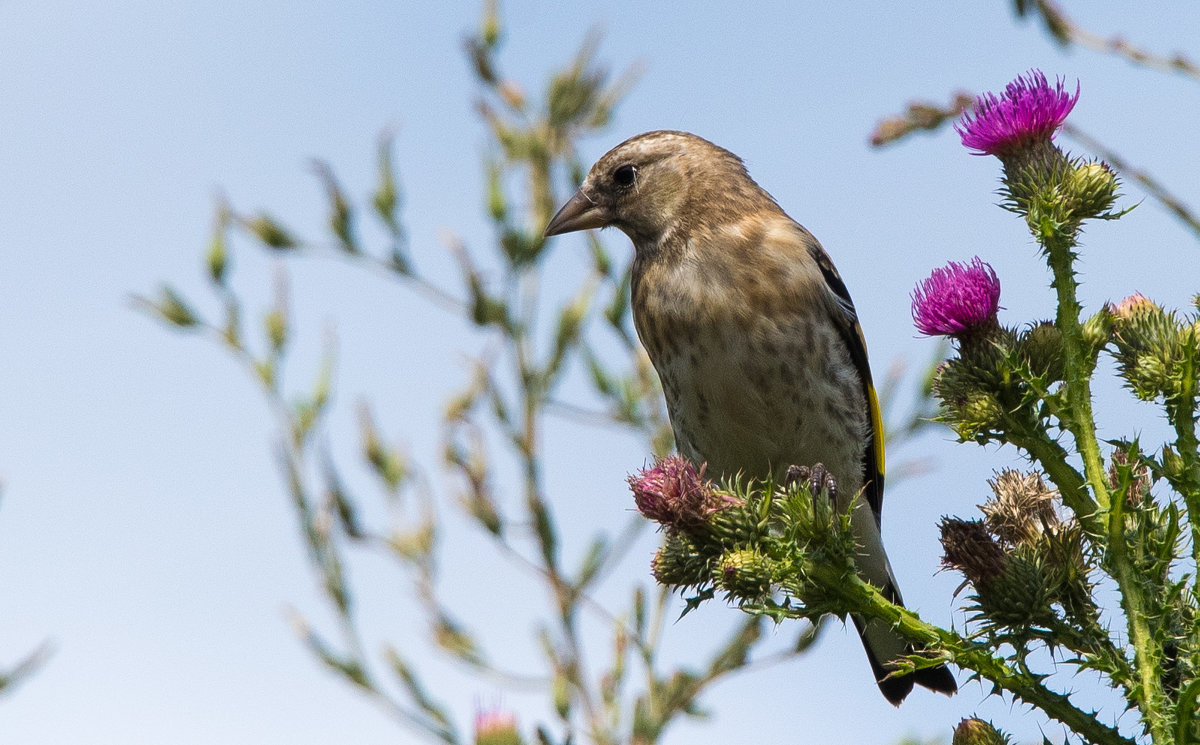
point(674, 492)
point(957, 299)
point(1029, 111)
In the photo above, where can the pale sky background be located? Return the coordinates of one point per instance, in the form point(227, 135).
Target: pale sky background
point(144, 529)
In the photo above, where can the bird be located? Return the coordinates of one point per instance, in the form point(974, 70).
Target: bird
point(754, 337)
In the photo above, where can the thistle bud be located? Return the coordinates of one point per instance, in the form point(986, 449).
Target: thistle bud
point(1174, 466)
point(1148, 346)
point(977, 416)
point(1066, 570)
point(745, 574)
point(1019, 595)
point(977, 732)
point(738, 526)
point(678, 562)
point(1093, 187)
point(1041, 346)
point(1097, 330)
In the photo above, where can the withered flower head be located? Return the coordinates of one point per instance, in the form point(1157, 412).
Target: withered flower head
point(1139, 484)
point(970, 549)
point(673, 492)
point(1022, 507)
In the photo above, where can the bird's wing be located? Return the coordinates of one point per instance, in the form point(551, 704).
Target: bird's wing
point(846, 320)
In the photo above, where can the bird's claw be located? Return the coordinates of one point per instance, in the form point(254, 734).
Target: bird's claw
point(816, 475)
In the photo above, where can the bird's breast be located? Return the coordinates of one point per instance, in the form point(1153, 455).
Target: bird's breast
point(754, 389)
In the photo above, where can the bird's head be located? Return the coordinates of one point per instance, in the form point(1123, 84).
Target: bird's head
point(655, 182)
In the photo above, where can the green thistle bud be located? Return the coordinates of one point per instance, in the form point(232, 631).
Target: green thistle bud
point(1019, 595)
point(1097, 331)
point(978, 416)
point(1148, 342)
point(1173, 464)
point(738, 526)
point(1038, 189)
point(1066, 570)
point(745, 574)
point(1093, 186)
point(1041, 346)
point(678, 563)
point(1011, 587)
point(978, 732)
point(963, 386)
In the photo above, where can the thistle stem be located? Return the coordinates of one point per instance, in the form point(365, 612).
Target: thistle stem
point(1181, 411)
point(1070, 483)
point(866, 599)
point(1081, 422)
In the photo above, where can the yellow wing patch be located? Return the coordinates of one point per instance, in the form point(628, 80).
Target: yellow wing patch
point(876, 426)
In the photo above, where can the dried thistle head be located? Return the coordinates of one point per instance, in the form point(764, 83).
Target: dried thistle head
point(1138, 474)
point(970, 549)
point(1022, 507)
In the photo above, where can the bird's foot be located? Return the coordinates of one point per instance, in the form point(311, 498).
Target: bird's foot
point(816, 475)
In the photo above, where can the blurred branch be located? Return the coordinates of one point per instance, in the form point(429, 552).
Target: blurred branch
point(18, 673)
point(1067, 32)
point(919, 116)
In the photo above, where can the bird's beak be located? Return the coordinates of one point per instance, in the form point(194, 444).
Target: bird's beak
point(579, 213)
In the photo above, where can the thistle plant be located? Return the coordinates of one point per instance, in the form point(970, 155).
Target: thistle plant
point(1088, 517)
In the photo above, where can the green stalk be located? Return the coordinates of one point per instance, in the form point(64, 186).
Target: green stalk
point(865, 599)
point(1185, 711)
point(1181, 411)
point(1079, 419)
point(1070, 483)
point(1081, 422)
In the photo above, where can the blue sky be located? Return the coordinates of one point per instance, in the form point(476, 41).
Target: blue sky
point(143, 528)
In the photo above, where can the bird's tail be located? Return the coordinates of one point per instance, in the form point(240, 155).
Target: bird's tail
point(884, 645)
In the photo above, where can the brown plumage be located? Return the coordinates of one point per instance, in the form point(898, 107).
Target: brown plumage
point(753, 335)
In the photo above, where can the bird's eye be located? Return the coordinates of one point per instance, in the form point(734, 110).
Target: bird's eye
point(624, 175)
